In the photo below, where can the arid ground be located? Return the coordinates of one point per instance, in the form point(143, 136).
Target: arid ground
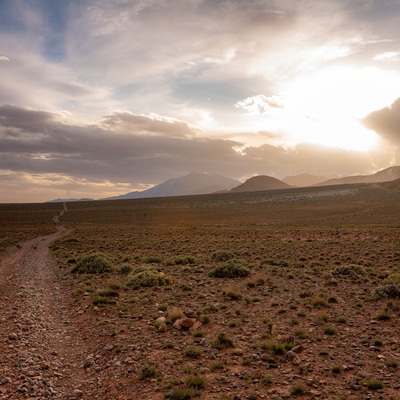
point(269, 295)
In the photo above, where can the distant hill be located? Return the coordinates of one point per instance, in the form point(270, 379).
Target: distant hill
point(394, 185)
point(192, 184)
point(68, 200)
point(386, 175)
point(304, 180)
point(261, 182)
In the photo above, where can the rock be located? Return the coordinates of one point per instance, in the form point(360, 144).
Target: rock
point(195, 326)
point(162, 328)
point(190, 314)
point(298, 349)
point(13, 336)
point(160, 320)
point(177, 325)
point(187, 323)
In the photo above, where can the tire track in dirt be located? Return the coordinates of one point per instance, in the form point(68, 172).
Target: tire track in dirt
point(41, 350)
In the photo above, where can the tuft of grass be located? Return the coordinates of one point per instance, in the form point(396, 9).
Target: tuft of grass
point(330, 330)
point(222, 341)
point(298, 389)
point(92, 264)
point(181, 394)
point(196, 382)
point(337, 369)
point(148, 371)
point(374, 384)
point(232, 293)
point(192, 352)
point(383, 316)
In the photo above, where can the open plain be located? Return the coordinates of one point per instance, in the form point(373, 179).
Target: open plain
point(268, 295)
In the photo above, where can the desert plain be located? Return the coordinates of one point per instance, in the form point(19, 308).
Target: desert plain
point(267, 295)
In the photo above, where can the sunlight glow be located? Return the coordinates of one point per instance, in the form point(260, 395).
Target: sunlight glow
point(327, 108)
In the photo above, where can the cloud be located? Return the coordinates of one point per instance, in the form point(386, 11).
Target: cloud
point(260, 104)
point(42, 150)
point(386, 122)
point(152, 124)
point(4, 58)
point(388, 56)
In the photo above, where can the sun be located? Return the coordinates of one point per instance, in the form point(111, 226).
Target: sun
point(327, 108)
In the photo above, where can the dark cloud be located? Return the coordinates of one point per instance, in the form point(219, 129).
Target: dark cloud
point(386, 122)
point(98, 154)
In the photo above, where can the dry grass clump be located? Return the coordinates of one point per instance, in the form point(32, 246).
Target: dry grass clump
point(92, 264)
point(230, 270)
point(232, 292)
point(222, 341)
point(220, 256)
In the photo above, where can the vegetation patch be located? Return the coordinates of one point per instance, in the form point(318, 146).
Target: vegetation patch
point(230, 270)
point(145, 277)
point(351, 270)
point(390, 291)
point(92, 264)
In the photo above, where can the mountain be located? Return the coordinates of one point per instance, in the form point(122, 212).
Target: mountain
point(261, 182)
point(386, 175)
point(303, 180)
point(68, 200)
point(192, 184)
point(394, 185)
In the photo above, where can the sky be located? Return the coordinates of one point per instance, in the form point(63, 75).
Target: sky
point(103, 97)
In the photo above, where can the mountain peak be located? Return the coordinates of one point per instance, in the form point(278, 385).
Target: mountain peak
point(260, 182)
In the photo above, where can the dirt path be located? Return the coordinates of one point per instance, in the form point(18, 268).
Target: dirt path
point(41, 351)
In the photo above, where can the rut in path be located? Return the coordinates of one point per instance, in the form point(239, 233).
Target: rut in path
point(40, 350)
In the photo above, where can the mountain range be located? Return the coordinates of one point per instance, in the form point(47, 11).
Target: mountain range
point(192, 184)
point(202, 183)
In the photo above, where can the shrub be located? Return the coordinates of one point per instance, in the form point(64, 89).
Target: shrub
point(298, 389)
point(337, 369)
point(390, 291)
point(147, 278)
point(182, 260)
point(124, 269)
point(277, 347)
point(196, 382)
point(270, 261)
point(180, 394)
point(92, 264)
point(222, 341)
point(330, 330)
point(220, 256)
point(192, 352)
point(232, 292)
point(152, 259)
point(148, 371)
point(348, 270)
point(173, 314)
point(230, 270)
point(374, 384)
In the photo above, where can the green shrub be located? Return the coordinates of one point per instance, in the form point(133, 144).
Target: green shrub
point(92, 264)
point(220, 256)
point(144, 277)
point(230, 270)
point(182, 260)
point(390, 291)
point(348, 270)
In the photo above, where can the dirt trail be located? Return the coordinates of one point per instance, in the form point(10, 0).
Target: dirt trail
point(41, 351)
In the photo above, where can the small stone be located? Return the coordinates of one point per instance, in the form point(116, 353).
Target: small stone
point(195, 326)
point(298, 349)
point(187, 322)
point(13, 336)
